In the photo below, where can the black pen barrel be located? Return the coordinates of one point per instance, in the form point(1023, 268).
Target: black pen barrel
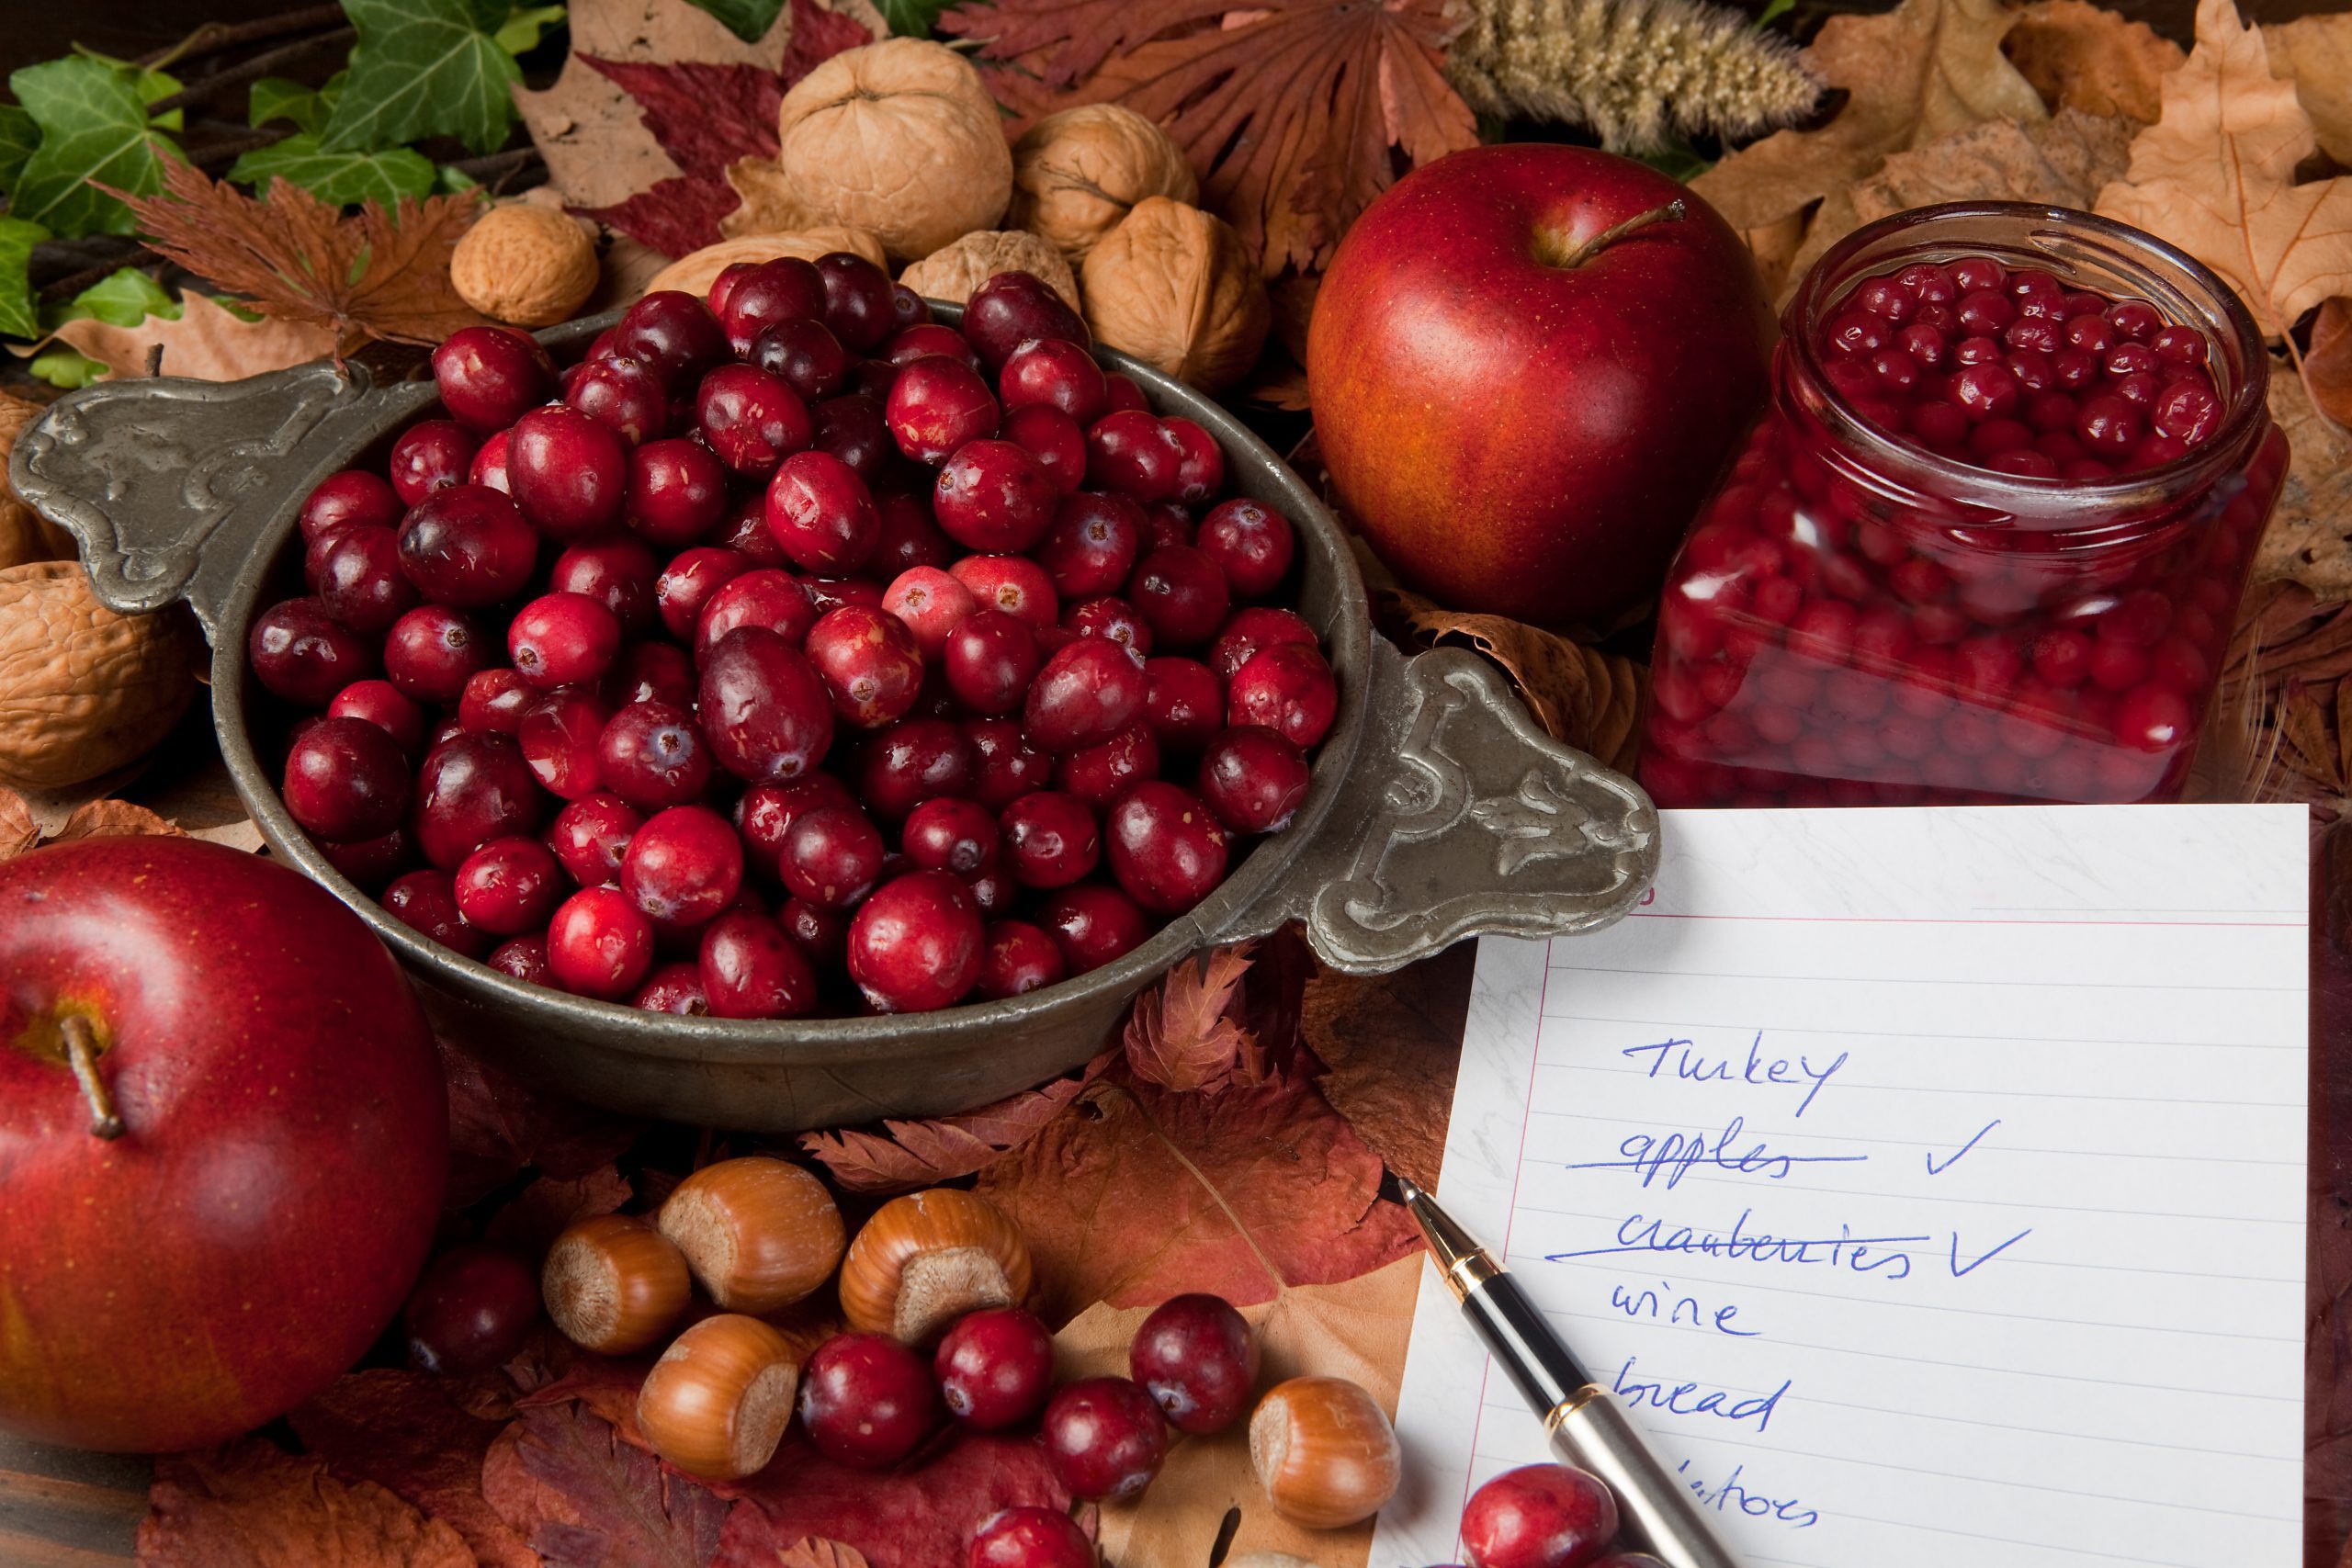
point(1526, 1345)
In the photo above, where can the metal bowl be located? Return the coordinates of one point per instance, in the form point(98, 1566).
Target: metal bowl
point(1437, 810)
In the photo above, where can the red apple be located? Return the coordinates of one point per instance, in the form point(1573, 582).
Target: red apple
point(273, 1176)
point(1521, 409)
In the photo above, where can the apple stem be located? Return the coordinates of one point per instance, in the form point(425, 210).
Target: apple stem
point(82, 1054)
point(1672, 212)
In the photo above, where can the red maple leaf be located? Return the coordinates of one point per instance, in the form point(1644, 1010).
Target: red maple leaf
point(920, 1516)
point(405, 1432)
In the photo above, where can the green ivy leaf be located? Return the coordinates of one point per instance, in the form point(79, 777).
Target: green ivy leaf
point(18, 317)
point(148, 83)
point(18, 137)
point(451, 179)
point(526, 25)
point(63, 367)
point(94, 126)
point(423, 68)
point(123, 298)
point(343, 178)
point(1772, 12)
point(275, 97)
point(911, 19)
point(747, 19)
point(1677, 159)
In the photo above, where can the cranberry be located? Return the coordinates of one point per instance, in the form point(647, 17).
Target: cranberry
point(1100, 774)
point(675, 335)
point(560, 738)
point(1196, 1355)
point(618, 573)
point(995, 1368)
point(383, 704)
point(866, 1400)
point(470, 1310)
point(820, 512)
point(1104, 1437)
point(684, 866)
point(1054, 439)
point(822, 935)
point(950, 834)
point(1030, 1537)
point(907, 307)
point(990, 659)
point(652, 755)
point(805, 356)
point(354, 495)
point(651, 672)
point(767, 598)
point(831, 593)
point(1014, 584)
point(1004, 766)
point(430, 456)
point(509, 885)
point(1018, 958)
point(832, 856)
point(1134, 455)
point(1165, 847)
point(489, 467)
point(1124, 392)
point(751, 968)
point(993, 497)
point(1166, 522)
point(930, 602)
point(1181, 593)
point(1253, 779)
point(347, 779)
point(471, 789)
point(624, 395)
point(1086, 693)
point(766, 713)
point(1251, 632)
point(1093, 923)
point(869, 662)
point(1251, 542)
point(1202, 474)
point(687, 583)
point(907, 538)
point(1055, 373)
point(914, 760)
point(1013, 308)
point(1183, 702)
point(853, 429)
point(570, 473)
point(1093, 545)
point(766, 812)
point(1539, 1516)
point(591, 835)
point(751, 419)
point(523, 958)
point(858, 299)
point(467, 545)
point(426, 903)
point(785, 291)
point(1050, 838)
point(359, 578)
point(909, 344)
point(599, 944)
point(1114, 619)
point(915, 943)
point(677, 490)
point(489, 376)
point(1287, 688)
point(432, 652)
point(563, 639)
point(675, 989)
point(936, 405)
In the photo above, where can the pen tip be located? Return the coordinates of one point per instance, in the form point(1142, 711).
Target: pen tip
point(1411, 1192)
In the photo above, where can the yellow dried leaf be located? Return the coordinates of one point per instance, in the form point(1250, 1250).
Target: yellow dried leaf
point(1916, 72)
point(2215, 176)
point(19, 831)
point(113, 819)
point(2316, 52)
point(1582, 697)
point(2083, 56)
point(811, 1553)
point(2310, 537)
point(2327, 364)
point(207, 342)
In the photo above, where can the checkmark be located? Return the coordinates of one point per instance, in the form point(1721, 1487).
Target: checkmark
point(1960, 1273)
point(1935, 1170)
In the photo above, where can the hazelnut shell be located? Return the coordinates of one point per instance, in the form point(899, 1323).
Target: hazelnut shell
point(1324, 1452)
point(716, 1405)
point(758, 1233)
point(613, 1284)
point(929, 1257)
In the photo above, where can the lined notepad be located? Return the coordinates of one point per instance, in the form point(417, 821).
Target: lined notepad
point(1930, 1183)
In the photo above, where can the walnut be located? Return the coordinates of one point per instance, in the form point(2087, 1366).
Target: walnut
point(1078, 173)
point(897, 138)
point(25, 534)
point(954, 273)
point(525, 263)
point(694, 271)
point(1173, 286)
point(84, 690)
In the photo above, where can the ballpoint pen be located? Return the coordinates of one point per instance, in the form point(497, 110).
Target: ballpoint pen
point(1588, 1427)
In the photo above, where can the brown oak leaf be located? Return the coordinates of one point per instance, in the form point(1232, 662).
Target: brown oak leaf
point(207, 342)
point(19, 831)
point(1581, 696)
point(2215, 176)
point(2079, 55)
point(1184, 1033)
point(252, 1505)
point(2316, 52)
point(1912, 75)
point(405, 1431)
point(810, 1552)
point(1135, 1193)
point(2327, 364)
point(1392, 1044)
point(918, 1516)
point(2309, 539)
point(561, 1478)
point(113, 819)
point(907, 1155)
point(296, 258)
point(1289, 111)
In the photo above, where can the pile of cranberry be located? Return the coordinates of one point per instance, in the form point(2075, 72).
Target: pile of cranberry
point(771, 644)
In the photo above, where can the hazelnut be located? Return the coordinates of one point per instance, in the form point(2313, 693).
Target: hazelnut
point(927, 1258)
point(1076, 173)
point(1173, 286)
point(695, 271)
point(758, 1233)
point(526, 263)
point(899, 138)
point(952, 273)
point(1324, 1451)
point(717, 1403)
point(613, 1284)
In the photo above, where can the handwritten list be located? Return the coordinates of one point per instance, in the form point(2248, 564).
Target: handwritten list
point(1930, 1184)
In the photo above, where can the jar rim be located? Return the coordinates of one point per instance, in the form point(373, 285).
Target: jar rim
point(2248, 412)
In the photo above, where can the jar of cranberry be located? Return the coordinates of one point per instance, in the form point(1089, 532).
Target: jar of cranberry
point(1985, 542)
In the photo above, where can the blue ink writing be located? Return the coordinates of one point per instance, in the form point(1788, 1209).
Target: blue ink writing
point(1863, 1254)
point(1959, 1272)
point(1675, 1154)
point(1935, 1170)
point(1694, 1066)
point(1732, 1495)
point(1641, 1301)
point(1696, 1399)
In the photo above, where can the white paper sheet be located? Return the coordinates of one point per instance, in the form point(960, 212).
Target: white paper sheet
point(1931, 1182)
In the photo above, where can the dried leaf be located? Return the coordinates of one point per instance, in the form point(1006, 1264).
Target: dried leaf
point(19, 831)
point(113, 819)
point(907, 1155)
point(498, 1126)
point(1925, 69)
point(2316, 53)
point(1288, 111)
point(1392, 1044)
point(562, 1478)
point(1355, 1330)
point(377, 275)
point(705, 118)
point(1135, 1193)
point(251, 1505)
point(811, 1553)
point(2327, 364)
point(920, 1516)
point(2082, 56)
point(2310, 537)
point(205, 341)
point(2215, 176)
point(405, 1431)
point(540, 1212)
point(1581, 697)
point(1183, 1036)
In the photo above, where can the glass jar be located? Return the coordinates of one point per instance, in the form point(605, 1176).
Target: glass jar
point(1853, 620)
